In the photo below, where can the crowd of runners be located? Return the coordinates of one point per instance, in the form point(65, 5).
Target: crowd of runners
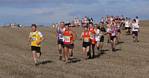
point(93, 36)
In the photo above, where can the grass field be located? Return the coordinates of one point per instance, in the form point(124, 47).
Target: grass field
point(130, 61)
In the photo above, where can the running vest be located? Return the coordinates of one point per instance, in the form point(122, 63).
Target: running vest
point(67, 37)
point(98, 34)
point(92, 30)
point(72, 37)
point(127, 24)
point(86, 37)
point(60, 33)
point(135, 27)
point(92, 35)
point(113, 31)
point(36, 37)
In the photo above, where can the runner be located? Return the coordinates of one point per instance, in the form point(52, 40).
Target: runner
point(108, 31)
point(113, 32)
point(137, 20)
point(35, 38)
point(86, 42)
point(135, 30)
point(73, 37)
point(91, 20)
point(122, 22)
point(85, 21)
point(97, 36)
point(102, 33)
point(76, 22)
point(60, 31)
point(102, 20)
point(93, 40)
point(67, 42)
point(118, 38)
point(127, 26)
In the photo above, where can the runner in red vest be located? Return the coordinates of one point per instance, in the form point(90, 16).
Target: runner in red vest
point(93, 39)
point(86, 42)
point(68, 40)
point(73, 38)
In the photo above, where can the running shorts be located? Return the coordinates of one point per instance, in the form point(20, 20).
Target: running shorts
point(119, 30)
point(135, 33)
point(86, 44)
point(112, 37)
point(60, 41)
point(70, 46)
point(36, 49)
point(102, 39)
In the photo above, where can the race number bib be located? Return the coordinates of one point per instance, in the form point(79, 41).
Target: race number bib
point(67, 38)
point(135, 28)
point(33, 39)
point(97, 38)
point(86, 39)
point(60, 36)
point(113, 33)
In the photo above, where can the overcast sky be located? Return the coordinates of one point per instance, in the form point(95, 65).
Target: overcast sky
point(49, 11)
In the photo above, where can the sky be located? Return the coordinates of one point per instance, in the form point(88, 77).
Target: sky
point(52, 11)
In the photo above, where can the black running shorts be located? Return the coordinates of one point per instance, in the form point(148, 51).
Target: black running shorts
point(135, 33)
point(112, 37)
point(102, 39)
point(86, 44)
point(70, 46)
point(60, 41)
point(36, 49)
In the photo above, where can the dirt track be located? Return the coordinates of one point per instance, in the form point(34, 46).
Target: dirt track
point(131, 61)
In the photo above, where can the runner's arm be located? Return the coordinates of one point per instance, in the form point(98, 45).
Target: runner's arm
point(41, 38)
point(138, 28)
point(104, 32)
point(74, 34)
point(81, 36)
point(29, 39)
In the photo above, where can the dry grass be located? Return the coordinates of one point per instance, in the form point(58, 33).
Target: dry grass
point(16, 62)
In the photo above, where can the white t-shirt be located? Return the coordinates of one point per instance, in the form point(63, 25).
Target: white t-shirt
point(118, 26)
point(97, 31)
point(111, 19)
point(127, 24)
point(108, 30)
point(97, 37)
point(135, 27)
point(137, 21)
point(113, 31)
point(102, 20)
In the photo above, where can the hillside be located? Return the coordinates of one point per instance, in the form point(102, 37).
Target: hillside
point(130, 61)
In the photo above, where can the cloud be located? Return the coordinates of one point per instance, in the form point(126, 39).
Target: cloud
point(40, 3)
point(48, 11)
